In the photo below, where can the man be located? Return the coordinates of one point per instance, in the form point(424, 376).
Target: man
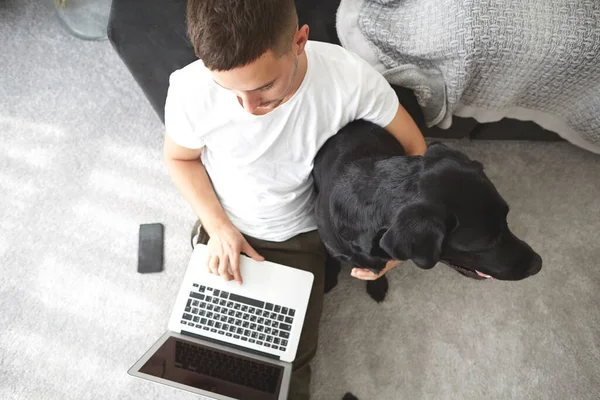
point(243, 124)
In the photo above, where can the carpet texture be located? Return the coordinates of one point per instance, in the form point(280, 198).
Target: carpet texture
point(81, 167)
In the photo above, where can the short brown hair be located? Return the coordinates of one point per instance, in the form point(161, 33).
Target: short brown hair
point(228, 34)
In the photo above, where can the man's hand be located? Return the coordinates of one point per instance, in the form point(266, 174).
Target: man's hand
point(367, 275)
point(404, 129)
point(224, 248)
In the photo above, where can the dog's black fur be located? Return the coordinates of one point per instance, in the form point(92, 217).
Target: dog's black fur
point(375, 204)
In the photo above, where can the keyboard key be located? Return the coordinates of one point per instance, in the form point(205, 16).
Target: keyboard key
point(217, 309)
point(224, 295)
point(205, 327)
point(197, 295)
point(213, 330)
point(260, 328)
point(289, 320)
point(251, 310)
point(230, 320)
point(209, 307)
point(280, 317)
point(208, 299)
point(253, 327)
point(266, 345)
point(202, 288)
point(196, 319)
point(245, 324)
point(284, 342)
point(269, 306)
point(195, 285)
point(258, 312)
point(222, 302)
point(259, 343)
point(277, 309)
point(211, 322)
point(187, 317)
point(253, 318)
point(285, 327)
point(246, 317)
point(276, 340)
point(291, 312)
point(231, 312)
point(223, 318)
point(209, 314)
point(236, 336)
point(232, 328)
point(225, 327)
point(216, 292)
point(202, 313)
point(247, 332)
point(284, 334)
point(250, 340)
point(194, 310)
point(238, 322)
point(215, 300)
point(275, 325)
point(275, 332)
point(239, 331)
point(230, 304)
point(228, 334)
point(281, 348)
point(245, 308)
point(284, 310)
point(238, 314)
point(221, 332)
point(268, 331)
point(244, 338)
point(254, 335)
point(195, 303)
point(218, 325)
point(247, 300)
point(273, 315)
point(262, 321)
point(203, 321)
point(269, 338)
point(202, 305)
point(198, 326)
point(262, 336)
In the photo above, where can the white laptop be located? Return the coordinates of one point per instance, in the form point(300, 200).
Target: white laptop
point(231, 341)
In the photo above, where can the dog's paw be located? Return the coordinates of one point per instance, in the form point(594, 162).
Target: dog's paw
point(349, 396)
point(378, 288)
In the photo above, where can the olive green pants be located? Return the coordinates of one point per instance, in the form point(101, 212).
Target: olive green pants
point(304, 251)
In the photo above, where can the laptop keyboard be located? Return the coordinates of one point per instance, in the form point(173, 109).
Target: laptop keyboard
point(226, 367)
point(231, 315)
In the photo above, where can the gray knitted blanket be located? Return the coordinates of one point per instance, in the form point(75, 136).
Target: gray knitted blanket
point(534, 60)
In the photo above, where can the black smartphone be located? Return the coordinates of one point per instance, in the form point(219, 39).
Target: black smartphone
point(150, 248)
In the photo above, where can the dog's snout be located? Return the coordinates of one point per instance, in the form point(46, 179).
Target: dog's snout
point(535, 265)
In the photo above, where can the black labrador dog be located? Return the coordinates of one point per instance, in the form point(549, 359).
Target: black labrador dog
point(374, 204)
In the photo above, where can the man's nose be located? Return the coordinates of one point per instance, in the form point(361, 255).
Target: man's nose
point(250, 103)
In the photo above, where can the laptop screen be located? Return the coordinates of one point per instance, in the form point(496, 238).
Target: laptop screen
point(214, 370)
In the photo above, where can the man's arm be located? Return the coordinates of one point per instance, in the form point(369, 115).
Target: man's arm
point(190, 177)
point(407, 132)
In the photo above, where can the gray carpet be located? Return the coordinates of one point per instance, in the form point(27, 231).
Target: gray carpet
point(81, 168)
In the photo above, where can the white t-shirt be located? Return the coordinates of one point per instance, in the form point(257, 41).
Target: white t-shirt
point(260, 165)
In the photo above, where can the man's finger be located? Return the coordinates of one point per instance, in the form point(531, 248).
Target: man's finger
point(224, 268)
point(235, 267)
point(252, 253)
point(213, 265)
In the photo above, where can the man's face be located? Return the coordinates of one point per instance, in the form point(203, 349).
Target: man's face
point(262, 85)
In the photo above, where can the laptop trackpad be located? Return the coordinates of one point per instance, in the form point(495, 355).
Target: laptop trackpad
point(214, 370)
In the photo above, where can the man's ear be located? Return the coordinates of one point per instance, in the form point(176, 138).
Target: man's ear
point(417, 234)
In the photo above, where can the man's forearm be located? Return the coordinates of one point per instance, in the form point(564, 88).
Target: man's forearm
point(193, 182)
point(404, 129)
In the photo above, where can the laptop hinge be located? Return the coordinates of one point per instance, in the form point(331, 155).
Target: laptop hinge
point(235, 346)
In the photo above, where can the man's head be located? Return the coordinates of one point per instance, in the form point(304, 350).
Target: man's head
point(252, 47)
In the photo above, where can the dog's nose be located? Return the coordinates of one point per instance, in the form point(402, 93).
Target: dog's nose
point(535, 265)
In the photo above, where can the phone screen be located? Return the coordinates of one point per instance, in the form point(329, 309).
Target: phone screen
point(150, 250)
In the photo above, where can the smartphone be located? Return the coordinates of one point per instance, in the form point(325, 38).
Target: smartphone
point(150, 248)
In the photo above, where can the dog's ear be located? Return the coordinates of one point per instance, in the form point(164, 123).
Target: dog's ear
point(417, 234)
point(440, 150)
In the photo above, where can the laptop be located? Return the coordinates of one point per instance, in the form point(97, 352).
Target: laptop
point(231, 341)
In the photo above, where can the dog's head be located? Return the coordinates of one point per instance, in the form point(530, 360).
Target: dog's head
point(458, 218)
